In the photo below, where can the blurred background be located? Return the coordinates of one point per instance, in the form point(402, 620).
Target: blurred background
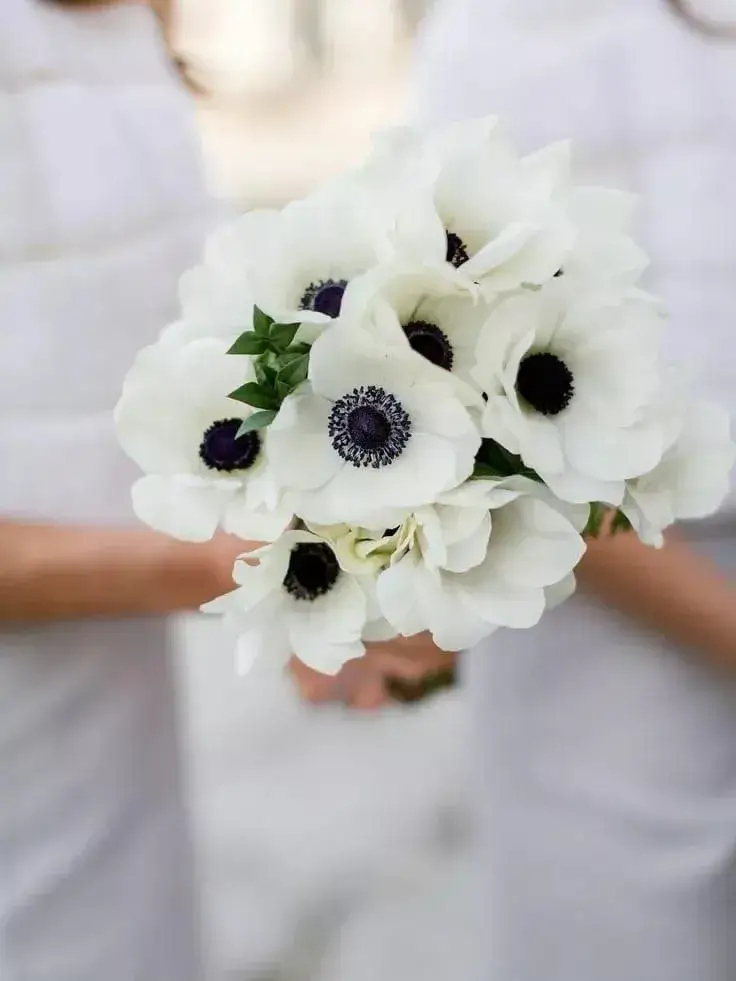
point(332, 847)
point(294, 87)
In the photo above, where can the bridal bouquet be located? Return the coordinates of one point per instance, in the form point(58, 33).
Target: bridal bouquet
point(414, 394)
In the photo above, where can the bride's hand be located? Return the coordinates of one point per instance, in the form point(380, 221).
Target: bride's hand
point(397, 670)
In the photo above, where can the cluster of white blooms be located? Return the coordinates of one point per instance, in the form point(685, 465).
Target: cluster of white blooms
point(421, 387)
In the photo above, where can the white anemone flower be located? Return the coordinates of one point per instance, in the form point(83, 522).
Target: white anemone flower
point(363, 553)
point(293, 597)
point(524, 547)
point(428, 312)
point(568, 381)
point(372, 434)
point(469, 200)
point(360, 551)
point(504, 221)
point(604, 252)
point(300, 261)
point(693, 478)
point(176, 422)
point(216, 297)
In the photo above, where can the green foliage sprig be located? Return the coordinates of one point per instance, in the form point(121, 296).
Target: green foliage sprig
point(280, 364)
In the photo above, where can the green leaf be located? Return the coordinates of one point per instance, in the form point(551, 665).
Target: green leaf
point(282, 390)
point(265, 373)
point(620, 523)
point(250, 343)
point(273, 359)
point(295, 372)
point(281, 335)
point(293, 353)
point(255, 395)
point(596, 518)
point(494, 456)
point(482, 471)
point(259, 420)
point(261, 322)
point(499, 462)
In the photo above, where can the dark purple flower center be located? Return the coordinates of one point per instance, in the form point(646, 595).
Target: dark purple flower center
point(457, 250)
point(369, 427)
point(431, 342)
point(325, 297)
point(545, 383)
point(222, 449)
point(313, 571)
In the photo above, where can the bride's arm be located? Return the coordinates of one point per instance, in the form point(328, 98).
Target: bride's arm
point(53, 572)
point(670, 590)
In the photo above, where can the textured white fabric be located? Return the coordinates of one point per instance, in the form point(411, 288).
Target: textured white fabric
point(607, 760)
point(335, 844)
point(101, 208)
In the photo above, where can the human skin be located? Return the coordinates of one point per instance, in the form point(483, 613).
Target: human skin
point(52, 572)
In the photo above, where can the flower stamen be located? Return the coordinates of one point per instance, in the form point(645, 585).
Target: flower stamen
point(325, 297)
point(222, 449)
point(369, 427)
point(545, 383)
point(457, 250)
point(313, 571)
point(431, 342)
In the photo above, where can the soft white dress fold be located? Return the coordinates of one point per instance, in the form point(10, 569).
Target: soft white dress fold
point(101, 209)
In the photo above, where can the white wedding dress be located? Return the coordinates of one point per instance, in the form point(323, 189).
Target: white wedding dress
point(606, 758)
point(101, 208)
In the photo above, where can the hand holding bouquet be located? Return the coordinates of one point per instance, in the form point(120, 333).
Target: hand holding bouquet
point(421, 387)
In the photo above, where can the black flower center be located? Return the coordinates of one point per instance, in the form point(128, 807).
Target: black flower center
point(325, 297)
point(431, 342)
point(222, 449)
point(545, 383)
point(457, 250)
point(313, 571)
point(369, 427)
